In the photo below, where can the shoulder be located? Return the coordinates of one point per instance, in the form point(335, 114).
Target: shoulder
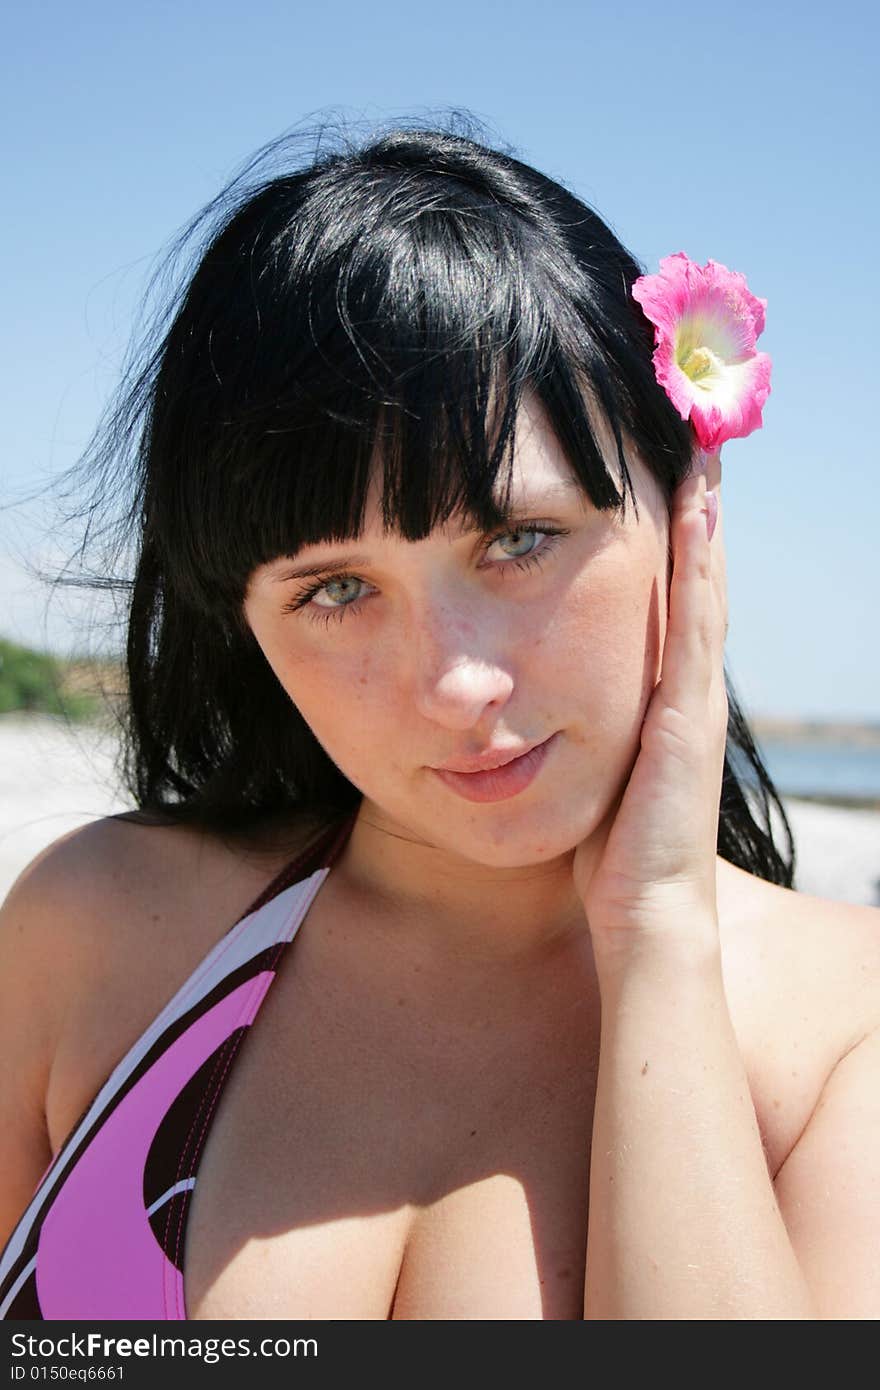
point(802, 980)
point(98, 932)
point(802, 964)
point(82, 894)
point(46, 940)
point(129, 861)
point(833, 949)
point(69, 917)
point(126, 882)
point(46, 915)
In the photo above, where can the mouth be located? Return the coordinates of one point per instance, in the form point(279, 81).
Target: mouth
point(502, 780)
point(490, 760)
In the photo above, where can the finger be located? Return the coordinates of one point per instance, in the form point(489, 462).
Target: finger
point(713, 470)
point(710, 464)
point(690, 648)
point(717, 552)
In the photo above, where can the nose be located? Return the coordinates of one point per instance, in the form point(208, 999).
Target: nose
point(458, 676)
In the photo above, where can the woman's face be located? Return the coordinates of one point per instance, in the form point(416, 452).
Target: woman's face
point(414, 654)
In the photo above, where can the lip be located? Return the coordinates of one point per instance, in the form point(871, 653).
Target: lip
point(487, 762)
point(500, 782)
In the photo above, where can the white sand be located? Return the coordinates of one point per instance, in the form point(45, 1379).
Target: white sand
point(54, 777)
point(837, 851)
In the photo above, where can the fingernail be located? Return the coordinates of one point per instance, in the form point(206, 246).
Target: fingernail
point(711, 513)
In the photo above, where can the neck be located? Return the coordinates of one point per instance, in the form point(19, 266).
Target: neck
point(448, 910)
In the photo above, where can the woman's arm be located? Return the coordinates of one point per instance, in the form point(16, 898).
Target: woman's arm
point(29, 970)
point(684, 1221)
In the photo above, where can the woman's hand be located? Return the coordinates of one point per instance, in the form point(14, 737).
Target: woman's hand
point(655, 879)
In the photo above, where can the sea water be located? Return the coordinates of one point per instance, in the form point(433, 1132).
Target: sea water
point(817, 769)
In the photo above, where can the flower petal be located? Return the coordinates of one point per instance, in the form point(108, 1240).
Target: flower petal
point(734, 408)
point(706, 324)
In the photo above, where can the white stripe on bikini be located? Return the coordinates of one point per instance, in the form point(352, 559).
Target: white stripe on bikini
point(277, 920)
point(22, 1278)
point(186, 1185)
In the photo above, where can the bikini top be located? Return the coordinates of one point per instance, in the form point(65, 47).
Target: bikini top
point(104, 1235)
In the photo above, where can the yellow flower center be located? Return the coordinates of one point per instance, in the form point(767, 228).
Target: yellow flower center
point(700, 362)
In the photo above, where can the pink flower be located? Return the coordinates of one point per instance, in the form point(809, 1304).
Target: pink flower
point(706, 322)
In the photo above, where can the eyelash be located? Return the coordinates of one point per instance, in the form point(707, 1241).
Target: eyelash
point(525, 562)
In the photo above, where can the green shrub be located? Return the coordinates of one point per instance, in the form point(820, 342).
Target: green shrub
point(35, 681)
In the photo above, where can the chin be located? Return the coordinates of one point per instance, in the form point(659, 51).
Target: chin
point(532, 839)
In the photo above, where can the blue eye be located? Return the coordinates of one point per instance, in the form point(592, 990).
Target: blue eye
point(341, 580)
point(522, 531)
point(333, 612)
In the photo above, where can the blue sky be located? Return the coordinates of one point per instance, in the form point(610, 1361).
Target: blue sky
point(747, 134)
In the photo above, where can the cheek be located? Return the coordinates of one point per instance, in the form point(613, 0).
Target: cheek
point(339, 698)
point(604, 648)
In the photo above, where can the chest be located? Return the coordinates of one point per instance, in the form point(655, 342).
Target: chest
point(372, 1158)
point(368, 1162)
point(376, 1154)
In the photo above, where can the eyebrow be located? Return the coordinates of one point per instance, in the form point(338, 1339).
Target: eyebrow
point(560, 492)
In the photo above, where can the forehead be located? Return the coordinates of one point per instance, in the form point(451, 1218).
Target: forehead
point(541, 482)
point(539, 470)
point(539, 466)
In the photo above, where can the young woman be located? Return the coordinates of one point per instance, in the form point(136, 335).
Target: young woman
point(448, 967)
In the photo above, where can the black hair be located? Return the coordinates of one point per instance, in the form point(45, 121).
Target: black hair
point(390, 298)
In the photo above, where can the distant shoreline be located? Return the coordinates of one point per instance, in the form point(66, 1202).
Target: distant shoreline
point(816, 732)
point(845, 802)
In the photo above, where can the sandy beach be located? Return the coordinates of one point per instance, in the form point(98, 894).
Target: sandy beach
point(55, 776)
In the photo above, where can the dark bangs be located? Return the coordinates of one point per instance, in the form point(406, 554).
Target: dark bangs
point(375, 320)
